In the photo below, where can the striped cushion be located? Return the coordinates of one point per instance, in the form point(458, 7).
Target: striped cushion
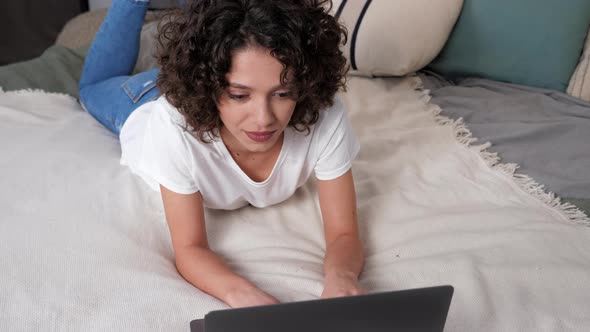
point(579, 85)
point(395, 37)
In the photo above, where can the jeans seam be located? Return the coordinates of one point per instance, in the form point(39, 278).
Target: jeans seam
point(142, 3)
point(136, 97)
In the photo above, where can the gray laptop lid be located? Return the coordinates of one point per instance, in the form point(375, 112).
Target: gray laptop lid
point(423, 309)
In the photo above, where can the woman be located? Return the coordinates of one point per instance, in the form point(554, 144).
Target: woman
point(242, 111)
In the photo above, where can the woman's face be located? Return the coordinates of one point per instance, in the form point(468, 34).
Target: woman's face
point(255, 108)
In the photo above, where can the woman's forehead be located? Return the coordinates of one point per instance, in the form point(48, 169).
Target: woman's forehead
point(255, 67)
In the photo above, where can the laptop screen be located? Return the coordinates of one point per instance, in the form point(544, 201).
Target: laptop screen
point(423, 309)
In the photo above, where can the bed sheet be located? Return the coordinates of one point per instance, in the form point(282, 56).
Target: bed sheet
point(544, 132)
point(85, 244)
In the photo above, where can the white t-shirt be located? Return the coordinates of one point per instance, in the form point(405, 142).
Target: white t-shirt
point(156, 147)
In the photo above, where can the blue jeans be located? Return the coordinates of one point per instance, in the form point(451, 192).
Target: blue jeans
point(107, 91)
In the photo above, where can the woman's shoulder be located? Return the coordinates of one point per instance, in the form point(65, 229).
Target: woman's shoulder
point(162, 110)
point(331, 117)
point(167, 120)
point(160, 121)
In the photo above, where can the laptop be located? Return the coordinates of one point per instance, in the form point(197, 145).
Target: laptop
point(421, 309)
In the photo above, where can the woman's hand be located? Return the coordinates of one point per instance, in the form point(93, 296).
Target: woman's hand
point(248, 297)
point(341, 284)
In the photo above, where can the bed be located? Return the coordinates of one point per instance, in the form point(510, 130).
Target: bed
point(85, 245)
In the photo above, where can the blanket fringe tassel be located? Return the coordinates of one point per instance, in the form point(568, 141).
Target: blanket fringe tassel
point(525, 182)
point(26, 91)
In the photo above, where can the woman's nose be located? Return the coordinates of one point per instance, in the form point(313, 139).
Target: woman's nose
point(264, 114)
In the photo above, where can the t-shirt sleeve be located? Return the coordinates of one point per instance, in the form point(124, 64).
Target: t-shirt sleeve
point(165, 154)
point(338, 146)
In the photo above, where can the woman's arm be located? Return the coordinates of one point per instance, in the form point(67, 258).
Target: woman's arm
point(344, 251)
point(196, 262)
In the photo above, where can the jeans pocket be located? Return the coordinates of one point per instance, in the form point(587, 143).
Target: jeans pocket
point(138, 85)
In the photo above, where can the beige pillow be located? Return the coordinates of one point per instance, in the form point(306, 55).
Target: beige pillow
point(80, 30)
point(395, 37)
point(148, 46)
point(580, 82)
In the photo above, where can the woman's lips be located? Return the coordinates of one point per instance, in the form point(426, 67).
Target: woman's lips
point(260, 136)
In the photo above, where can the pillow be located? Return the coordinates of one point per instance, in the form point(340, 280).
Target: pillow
point(394, 37)
point(529, 42)
point(148, 47)
point(80, 30)
point(580, 80)
point(57, 70)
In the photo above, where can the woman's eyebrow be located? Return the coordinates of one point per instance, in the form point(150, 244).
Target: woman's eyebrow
point(239, 86)
point(242, 86)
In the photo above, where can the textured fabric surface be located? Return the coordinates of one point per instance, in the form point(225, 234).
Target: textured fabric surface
point(580, 81)
point(85, 246)
point(545, 132)
point(531, 42)
point(396, 38)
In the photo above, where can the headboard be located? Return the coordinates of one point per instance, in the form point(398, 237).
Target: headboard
point(28, 27)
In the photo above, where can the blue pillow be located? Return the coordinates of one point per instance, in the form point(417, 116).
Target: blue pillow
point(530, 42)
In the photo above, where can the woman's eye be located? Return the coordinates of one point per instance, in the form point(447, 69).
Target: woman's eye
point(283, 94)
point(237, 97)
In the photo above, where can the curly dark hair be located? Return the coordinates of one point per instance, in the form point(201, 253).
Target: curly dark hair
point(197, 44)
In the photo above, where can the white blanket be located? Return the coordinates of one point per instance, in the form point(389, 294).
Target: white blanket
point(85, 245)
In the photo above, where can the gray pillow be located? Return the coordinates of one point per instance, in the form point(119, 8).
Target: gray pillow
point(58, 69)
